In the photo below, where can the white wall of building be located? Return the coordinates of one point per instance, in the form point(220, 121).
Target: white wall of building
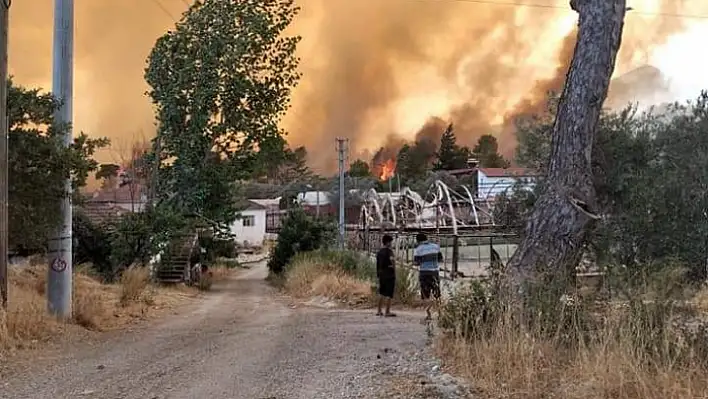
point(489, 187)
point(250, 228)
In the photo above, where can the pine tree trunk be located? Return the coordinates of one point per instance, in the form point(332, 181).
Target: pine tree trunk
point(557, 228)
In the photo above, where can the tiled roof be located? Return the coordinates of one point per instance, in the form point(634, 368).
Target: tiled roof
point(102, 213)
point(248, 205)
point(121, 194)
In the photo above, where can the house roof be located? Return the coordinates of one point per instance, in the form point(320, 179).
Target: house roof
point(249, 205)
point(508, 172)
point(101, 213)
point(273, 203)
point(124, 194)
point(456, 172)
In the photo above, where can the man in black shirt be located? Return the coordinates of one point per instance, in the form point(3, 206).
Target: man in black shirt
point(386, 272)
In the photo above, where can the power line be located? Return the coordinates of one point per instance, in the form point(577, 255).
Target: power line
point(631, 10)
point(164, 9)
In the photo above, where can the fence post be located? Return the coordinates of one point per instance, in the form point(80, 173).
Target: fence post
point(455, 255)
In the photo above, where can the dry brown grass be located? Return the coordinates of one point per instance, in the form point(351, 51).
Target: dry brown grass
point(96, 306)
point(133, 284)
point(313, 277)
point(511, 362)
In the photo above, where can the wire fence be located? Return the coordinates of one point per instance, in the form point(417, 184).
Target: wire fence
point(466, 255)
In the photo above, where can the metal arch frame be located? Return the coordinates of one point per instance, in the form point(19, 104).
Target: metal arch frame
point(445, 202)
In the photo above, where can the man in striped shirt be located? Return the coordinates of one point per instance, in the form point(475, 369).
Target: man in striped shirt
point(427, 256)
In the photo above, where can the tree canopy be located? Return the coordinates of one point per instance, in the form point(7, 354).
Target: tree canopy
point(487, 153)
point(359, 168)
point(450, 155)
point(38, 165)
point(221, 82)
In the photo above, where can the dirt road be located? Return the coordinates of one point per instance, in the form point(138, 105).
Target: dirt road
point(241, 342)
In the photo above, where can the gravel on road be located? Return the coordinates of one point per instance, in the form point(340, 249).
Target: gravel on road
point(245, 341)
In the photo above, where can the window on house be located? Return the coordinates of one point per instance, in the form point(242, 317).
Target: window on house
point(249, 221)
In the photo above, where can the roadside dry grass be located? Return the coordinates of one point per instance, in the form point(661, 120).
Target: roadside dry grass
point(96, 306)
point(316, 276)
point(345, 277)
point(637, 351)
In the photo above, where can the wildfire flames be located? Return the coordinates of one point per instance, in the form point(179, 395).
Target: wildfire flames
point(388, 168)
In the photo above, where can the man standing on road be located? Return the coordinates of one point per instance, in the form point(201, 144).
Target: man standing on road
point(427, 256)
point(386, 272)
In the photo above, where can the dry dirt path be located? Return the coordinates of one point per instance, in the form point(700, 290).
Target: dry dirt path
point(244, 341)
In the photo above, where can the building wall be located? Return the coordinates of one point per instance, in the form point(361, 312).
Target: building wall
point(252, 235)
point(489, 187)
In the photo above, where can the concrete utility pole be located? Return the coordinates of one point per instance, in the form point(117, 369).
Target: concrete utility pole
point(4, 20)
point(60, 246)
point(341, 149)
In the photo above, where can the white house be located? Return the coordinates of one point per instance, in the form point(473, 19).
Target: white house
point(250, 228)
point(494, 181)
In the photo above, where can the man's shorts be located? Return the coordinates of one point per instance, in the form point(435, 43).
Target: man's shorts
point(387, 286)
point(429, 284)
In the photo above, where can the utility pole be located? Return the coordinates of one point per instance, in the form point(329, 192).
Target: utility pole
point(59, 283)
point(4, 127)
point(341, 149)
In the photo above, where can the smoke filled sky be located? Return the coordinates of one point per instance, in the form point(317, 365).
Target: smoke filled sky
point(372, 69)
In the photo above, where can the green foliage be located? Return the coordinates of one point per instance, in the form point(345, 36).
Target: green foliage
point(359, 168)
point(92, 244)
point(107, 171)
point(451, 156)
point(487, 153)
point(131, 241)
point(38, 163)
point(215, 248)
point(221, 82)
point(650, 178)
point(299, 233)
point(414, 161)
point(512, 208)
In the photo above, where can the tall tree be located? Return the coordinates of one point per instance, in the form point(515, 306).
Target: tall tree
point(450, 155)
point(221, 82)
point(487, 153)
point(414, 161)
point(38, 165)
point(359, 168)
point(557, 228)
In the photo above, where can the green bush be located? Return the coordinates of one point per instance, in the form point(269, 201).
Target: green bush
point(299, 233)
point(92, 244)
point(471, 311)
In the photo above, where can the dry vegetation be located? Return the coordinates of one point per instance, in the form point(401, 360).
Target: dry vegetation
point(96, 306)
point(344, 277)
point(637, 350)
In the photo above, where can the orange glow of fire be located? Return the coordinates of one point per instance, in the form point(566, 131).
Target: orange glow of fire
point(388, 168)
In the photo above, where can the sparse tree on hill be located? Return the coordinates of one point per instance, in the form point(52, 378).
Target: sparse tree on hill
point(221, 82)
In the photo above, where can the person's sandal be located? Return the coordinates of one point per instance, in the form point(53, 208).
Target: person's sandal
point(379, 314)
point(390, 315)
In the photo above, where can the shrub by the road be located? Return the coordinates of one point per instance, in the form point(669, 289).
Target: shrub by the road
point(299, 233)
